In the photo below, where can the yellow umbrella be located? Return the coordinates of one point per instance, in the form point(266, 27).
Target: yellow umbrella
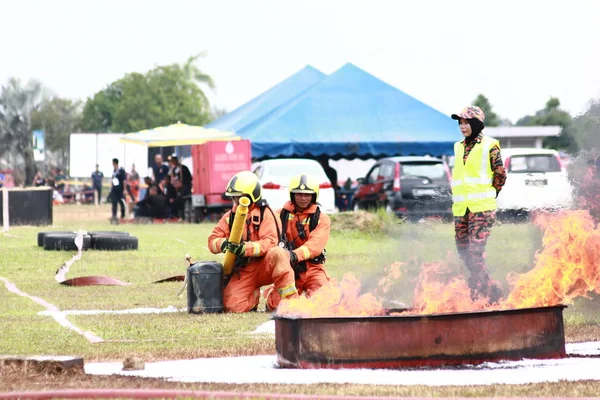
point(177, 135)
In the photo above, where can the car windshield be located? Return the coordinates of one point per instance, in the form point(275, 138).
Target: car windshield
point(430, 170)
point(534, 163)
point(289, 170)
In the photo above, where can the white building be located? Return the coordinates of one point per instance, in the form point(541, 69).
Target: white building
point(522, 136)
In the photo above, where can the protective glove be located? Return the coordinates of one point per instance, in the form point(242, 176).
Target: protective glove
point(293, 258)
point(236, 248)
point(224, 246)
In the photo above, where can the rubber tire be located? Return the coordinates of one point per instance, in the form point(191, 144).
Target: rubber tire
point(108, 233)
point(42, 234)
point(95, 234)
point(115, 242)
point(65, 241)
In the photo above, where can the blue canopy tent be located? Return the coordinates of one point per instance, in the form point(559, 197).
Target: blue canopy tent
point(265, 103)
point(348, 114)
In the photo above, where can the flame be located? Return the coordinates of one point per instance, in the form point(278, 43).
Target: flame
point(438, 292)
point(567, 266)
point(392, 274)
point(333, 299)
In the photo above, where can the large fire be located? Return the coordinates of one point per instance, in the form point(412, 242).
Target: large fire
point(566, 267)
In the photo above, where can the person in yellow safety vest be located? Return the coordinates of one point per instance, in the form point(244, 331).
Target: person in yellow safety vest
point(477, 178)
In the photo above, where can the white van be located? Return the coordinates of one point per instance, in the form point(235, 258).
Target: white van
point(536, 179)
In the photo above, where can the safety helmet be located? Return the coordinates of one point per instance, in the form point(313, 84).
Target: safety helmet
point(245, 183)
point(304, 183)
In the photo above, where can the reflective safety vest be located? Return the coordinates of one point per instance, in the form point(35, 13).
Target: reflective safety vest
point(472, 181)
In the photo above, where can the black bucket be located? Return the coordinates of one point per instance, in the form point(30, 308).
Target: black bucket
point(205, 287)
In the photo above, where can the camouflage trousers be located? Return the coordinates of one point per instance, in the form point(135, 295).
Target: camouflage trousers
point(472, 231)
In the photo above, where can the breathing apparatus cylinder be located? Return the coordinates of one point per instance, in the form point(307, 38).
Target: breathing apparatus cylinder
point(235, 236)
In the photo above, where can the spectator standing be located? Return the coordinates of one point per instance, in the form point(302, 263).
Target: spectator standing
point(159, 170)
point(117, 190)
point(97, 177)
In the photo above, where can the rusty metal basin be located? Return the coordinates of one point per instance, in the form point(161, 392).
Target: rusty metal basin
point(420, 340)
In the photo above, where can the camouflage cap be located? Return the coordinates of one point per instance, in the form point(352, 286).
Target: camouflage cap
point(470, 112)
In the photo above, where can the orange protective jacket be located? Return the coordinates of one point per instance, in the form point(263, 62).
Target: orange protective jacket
point(263, 234)
point(315, 241)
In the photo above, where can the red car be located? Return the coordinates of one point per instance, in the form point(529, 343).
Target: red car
point(413, 187)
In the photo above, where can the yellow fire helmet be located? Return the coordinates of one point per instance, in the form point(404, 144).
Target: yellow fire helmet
point(245, 183)
point(304, 183)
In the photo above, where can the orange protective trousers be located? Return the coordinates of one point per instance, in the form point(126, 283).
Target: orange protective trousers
point(309, 282)
point(242, 293)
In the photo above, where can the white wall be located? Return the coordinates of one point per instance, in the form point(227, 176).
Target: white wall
point(89, 149)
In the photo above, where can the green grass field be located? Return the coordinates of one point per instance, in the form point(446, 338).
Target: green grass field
point(355, 246)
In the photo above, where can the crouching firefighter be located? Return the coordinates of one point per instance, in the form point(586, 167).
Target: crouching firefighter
point(304, 234)
point(259, 261)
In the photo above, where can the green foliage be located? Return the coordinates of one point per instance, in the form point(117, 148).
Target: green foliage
point(552, 115)
point(491, 118)
point(164, 95)
point(586, 127)
point(58, 118)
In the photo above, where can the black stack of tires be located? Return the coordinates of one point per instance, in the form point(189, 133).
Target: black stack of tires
point(97, 240)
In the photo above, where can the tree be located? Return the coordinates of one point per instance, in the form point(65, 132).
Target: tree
point(164, 95)
point(491, 118)
point(58, 118)
point(551, 114)
point(586, 127)
point(17, 103)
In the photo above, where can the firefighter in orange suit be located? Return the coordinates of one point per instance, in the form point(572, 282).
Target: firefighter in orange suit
point(259, 260)
point(305, 232)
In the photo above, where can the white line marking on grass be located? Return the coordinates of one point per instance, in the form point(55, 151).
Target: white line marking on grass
point(54, 312)
point(263, 369)
point(15, 236)
point(182, 241)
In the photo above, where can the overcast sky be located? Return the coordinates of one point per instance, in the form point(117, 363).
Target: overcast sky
point(517, 53)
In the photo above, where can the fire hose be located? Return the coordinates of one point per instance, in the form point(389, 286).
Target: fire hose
point(235, 236)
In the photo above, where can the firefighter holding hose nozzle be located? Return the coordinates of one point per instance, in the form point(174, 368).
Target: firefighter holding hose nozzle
point(304, 234)
point(258, 260)
point(477, 178)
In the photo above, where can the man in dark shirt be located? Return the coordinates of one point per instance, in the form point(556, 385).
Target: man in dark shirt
point(159, 170)
point(170, 194)
point(153, 206)
point(97, 177)
point(117, 190)
point(184, 175)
